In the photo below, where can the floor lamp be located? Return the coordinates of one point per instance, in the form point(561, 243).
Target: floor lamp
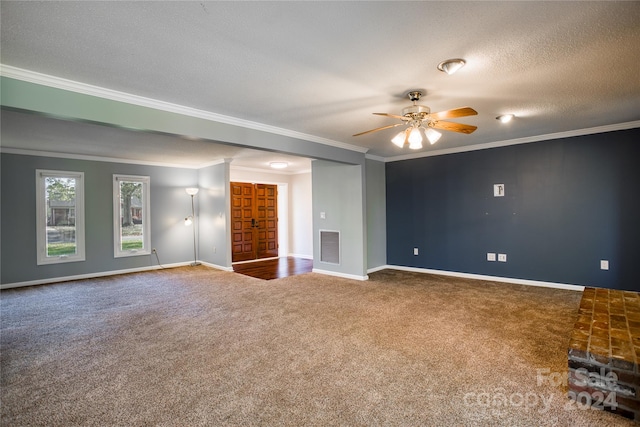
point(190, 220)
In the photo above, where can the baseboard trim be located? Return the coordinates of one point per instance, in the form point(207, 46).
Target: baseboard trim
point(303, 256)
point(104, 274)
point(255, 260)
point(343, 275)
point(526, 282)
point(374, 269)
point(216, 266)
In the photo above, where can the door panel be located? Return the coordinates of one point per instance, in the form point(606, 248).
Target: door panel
point(267, 213)
point(254, 214)
point(242, 239)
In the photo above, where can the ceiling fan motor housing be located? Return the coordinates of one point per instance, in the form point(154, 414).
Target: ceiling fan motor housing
point(416, 112)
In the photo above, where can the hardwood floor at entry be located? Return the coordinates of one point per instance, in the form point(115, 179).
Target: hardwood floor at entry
point(275, 268)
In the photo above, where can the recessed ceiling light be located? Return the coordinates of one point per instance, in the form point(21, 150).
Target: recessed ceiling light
point(450, 66)
point(505, 118)
point(278, 165)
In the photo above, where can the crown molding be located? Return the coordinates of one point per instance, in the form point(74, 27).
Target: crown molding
point(525, 140)
point(374, 157)
point(23, 152)
point(114, 95)
point(271, 171)
point(100, 92)
point(40, 153)
point(212, 163)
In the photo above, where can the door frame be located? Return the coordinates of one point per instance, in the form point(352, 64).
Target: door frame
point(283, 215)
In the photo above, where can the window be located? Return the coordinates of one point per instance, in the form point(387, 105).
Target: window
point(131, 215)
point(60, 216)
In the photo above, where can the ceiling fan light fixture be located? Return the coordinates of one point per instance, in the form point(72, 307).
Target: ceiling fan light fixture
point(400, 138)
point(505, 118)
point(278, 165)
point(414, 136)
point(450, 66)
point(432, 135)
point(415, 139)
point(415, 145)
point(421, 122)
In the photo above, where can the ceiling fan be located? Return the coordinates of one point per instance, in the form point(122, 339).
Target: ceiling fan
point(421, 121)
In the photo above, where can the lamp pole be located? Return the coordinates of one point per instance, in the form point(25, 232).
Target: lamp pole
point(192, 192)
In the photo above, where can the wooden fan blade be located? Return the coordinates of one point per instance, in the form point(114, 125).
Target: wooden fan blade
point(395, 116)
point(454, 127)
point(382, 128)
point(452, 114)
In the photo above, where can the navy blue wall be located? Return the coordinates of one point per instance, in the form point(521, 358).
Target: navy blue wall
point(568, 204)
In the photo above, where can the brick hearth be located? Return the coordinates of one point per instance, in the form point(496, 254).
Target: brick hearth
point(604, 352)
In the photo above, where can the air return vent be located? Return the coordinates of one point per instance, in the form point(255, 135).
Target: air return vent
point(330, 246)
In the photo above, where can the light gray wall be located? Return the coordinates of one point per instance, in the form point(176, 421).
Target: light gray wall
point(376, 214)
point(169, 205)
point(344, 195)
point(301, 218)
point(213, 215)
point(338, 191)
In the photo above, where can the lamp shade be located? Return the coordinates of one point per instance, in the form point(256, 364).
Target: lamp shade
point(433, 135)
point(400, 138)
point(415, 139)
point(192, 191)
point(415, 145)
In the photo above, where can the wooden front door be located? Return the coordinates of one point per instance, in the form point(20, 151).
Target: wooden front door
point(254, 221)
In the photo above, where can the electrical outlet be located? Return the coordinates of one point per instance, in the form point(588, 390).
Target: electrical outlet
point(502, 257)
point(153, 250)
point(415, 251)
point(604, 264)
point(491, 256)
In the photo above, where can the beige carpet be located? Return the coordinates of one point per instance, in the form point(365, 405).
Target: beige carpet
point(195, 346)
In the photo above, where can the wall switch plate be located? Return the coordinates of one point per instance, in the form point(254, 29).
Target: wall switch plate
point(491, 256)
point(604, 264)
point(323, 215)
point(415, 251)
point(502, 257)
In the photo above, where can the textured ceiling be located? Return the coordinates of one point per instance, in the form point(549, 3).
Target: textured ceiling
point(322, 68)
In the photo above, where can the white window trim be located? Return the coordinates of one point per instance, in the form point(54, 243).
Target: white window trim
point(41, 217)
point(146, 216)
